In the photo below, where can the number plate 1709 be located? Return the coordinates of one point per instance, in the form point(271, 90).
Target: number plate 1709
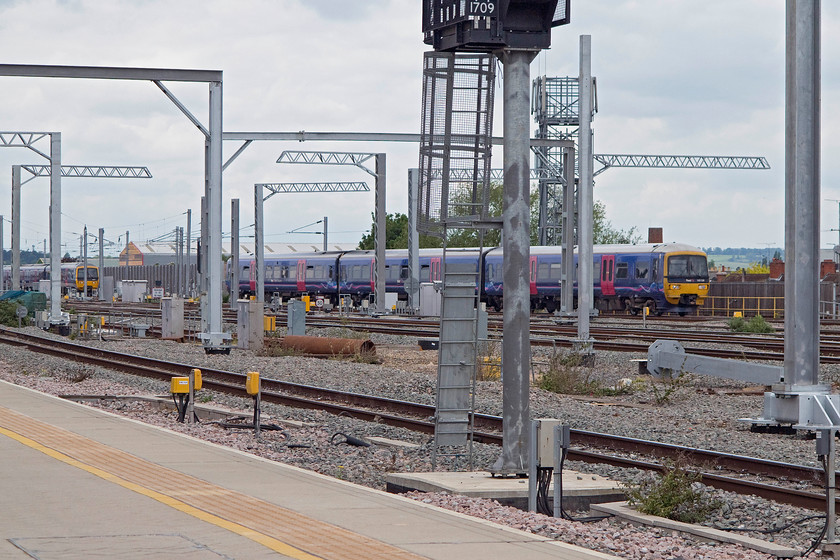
point(481, 7)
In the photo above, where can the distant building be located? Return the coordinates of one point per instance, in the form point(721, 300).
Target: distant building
point(164, 253)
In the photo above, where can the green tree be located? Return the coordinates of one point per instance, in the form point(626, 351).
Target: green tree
point(396, 234)
point(396, 227)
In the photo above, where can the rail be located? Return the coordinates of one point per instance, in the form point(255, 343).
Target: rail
point(370, 408)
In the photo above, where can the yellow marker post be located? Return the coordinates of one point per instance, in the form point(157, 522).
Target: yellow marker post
point(252, 387)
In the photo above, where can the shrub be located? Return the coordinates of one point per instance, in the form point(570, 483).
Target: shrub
point(756, 324)
point(665, 389)
point(7, 314)
point(566, 374)
point(675, 495)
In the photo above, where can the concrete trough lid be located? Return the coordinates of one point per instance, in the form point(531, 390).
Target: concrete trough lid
point(484, 485)
point(621, 509)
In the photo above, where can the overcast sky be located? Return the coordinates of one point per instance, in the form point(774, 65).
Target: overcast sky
point(674, 77)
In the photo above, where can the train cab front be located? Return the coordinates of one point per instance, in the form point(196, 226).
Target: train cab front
point(686, 281)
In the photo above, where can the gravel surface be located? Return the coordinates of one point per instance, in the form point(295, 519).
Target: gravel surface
point(695, 411)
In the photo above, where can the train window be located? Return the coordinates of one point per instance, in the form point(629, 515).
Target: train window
point(365, 272)
point(542, 271)
point(641, 271)
point(654, 272)
point(688, 267)
point(291, 271)
point(245, 273)
point(424, 273)
point(556, 271)
point(620, 271)
point(404, 271)
point(331, 272)
point(357, 272)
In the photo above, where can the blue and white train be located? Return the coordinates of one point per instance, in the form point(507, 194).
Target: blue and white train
point(663, 277)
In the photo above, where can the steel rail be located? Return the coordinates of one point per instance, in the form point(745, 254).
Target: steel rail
point(830, 352)
point(314, 398)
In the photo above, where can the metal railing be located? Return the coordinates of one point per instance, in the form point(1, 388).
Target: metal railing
point(748, 306)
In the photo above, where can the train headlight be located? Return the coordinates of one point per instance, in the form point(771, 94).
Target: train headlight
point(675, 286)
point(702, 287)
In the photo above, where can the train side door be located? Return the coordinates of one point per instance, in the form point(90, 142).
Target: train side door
point(434, 270)
point(608, 275)
point(301, 275)
point(532, 275)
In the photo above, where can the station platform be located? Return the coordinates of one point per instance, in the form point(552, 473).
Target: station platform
point(80, 483)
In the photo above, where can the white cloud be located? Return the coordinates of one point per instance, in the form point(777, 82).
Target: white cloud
point(674, 77)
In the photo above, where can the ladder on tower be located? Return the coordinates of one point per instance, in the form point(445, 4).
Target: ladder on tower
point(458, 347)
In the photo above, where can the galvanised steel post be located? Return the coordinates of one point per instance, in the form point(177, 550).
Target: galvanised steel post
point(585, 218)
point(259, 249)
point(55, 228)
point(516, 347)
point(326, 231)
point(189, 242)
point(214, 210)
point(2, 270)
point(99, 293)
point(567, 281)
point(16, 227)
point(802, 190)
point(379, 238)
point(413, 289)
point(234, 253)
point(84, 264)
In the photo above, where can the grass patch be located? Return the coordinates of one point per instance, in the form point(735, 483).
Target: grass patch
point(566, 374)
point(756, 324)
point(676, 495)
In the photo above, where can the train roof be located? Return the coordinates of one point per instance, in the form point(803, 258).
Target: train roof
point(617, 249)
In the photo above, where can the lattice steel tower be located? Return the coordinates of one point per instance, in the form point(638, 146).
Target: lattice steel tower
point(555, 103)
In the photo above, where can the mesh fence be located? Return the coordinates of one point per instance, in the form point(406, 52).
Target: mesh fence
point(455, 140)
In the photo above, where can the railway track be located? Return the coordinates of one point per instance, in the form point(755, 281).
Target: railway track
point(608, 338)
point(592, 447)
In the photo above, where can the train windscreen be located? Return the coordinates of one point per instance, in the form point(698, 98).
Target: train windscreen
point(92, 273)
point(684, 268)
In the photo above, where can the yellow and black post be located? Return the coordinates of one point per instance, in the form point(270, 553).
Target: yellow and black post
point(253, 388)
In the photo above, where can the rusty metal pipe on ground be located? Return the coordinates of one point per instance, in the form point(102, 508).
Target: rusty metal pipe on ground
point(329, 346)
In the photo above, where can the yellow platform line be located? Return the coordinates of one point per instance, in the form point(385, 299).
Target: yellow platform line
point(199, 498)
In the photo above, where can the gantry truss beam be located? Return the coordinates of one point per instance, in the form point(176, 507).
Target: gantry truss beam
point(680, 162)
point(495, 175)
point(277, 188)
point(357, 159)
point(325, 158)
point(100, 171)
point(20, 139)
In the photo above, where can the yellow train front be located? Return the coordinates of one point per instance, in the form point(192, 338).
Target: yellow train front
point(686, 279)
point(73, 279)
